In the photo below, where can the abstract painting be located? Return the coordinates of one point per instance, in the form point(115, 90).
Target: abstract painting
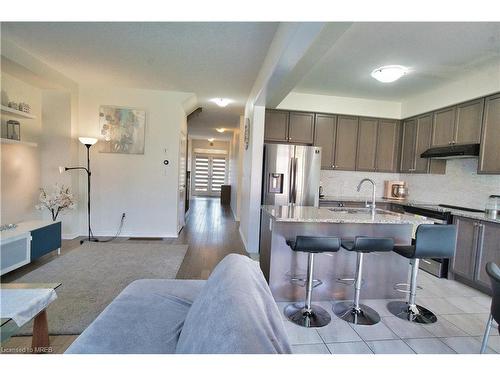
point(123, 129)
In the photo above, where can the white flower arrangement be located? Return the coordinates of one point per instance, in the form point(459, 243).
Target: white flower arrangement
point(59, 200)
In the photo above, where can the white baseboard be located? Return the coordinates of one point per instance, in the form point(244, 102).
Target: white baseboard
point(69, 236)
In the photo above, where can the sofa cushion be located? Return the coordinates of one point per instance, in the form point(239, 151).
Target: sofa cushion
point(146, 317)
point(234, 313)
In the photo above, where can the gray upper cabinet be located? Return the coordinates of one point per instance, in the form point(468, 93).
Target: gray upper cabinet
point(469, 118)
point(489, 158)
point(346, 143)
point(443, 129)
point(423, 142)
point(367, 144)
point(408, 146)
point(276, 126)
point(301, 128)
point(324, 137)
point(387, 146)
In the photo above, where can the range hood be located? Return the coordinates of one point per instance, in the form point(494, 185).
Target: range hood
point(452, 152)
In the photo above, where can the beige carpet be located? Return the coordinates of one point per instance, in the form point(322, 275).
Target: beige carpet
point(95, 273)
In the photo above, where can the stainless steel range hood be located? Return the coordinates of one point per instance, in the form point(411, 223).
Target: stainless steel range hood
point(452, 152)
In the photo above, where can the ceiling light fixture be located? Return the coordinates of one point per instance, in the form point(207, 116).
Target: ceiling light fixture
point(389, 73)
point(210, 139)
point(220, 130)
point(221, 102)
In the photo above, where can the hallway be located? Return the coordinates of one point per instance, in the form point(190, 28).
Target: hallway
point(211, 233)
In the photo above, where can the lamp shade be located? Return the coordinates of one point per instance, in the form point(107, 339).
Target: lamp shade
point(87, 140)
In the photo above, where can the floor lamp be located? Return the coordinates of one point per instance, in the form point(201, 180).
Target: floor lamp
point(88, 142)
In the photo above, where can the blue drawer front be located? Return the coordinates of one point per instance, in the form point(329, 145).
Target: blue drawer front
point(44, 240)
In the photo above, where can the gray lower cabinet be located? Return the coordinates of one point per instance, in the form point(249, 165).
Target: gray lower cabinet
point(367, 144)
point(489, 158)
point(276, 126)
point(387, 146)
point(325, 130)
point(346, 143)
point(301, 127)
point(478, 242)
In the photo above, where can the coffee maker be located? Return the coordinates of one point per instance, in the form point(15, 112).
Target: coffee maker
point(395, 190)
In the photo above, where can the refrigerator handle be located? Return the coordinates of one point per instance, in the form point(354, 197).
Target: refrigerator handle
point(294, 192)
point(290, 182)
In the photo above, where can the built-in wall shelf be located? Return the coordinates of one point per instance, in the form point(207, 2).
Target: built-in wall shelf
point(16, 113)
point(14, 142)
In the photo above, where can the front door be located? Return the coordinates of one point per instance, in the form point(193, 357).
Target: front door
point(209, 174)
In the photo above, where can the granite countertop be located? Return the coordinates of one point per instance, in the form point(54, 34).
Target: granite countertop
point(307, 214)
point(408, 202)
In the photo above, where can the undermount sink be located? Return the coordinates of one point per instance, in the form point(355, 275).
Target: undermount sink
point(360, 210)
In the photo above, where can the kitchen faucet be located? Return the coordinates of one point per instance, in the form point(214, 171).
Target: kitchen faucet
point(373, 191)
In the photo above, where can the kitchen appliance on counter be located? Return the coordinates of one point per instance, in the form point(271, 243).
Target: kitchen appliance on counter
point(291, 175)
point(492, 209)
point(395, 190)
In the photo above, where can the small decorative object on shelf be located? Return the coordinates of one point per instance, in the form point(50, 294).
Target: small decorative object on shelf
point(13, 130)
point(59, 200)
point(14, 105)
point(24, 107)
point(7, 227)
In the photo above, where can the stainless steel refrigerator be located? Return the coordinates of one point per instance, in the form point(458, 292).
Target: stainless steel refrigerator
point(291, 175)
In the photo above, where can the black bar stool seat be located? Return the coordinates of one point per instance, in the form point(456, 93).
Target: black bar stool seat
point(354, 312)
point(431, 241)
point(306, 314)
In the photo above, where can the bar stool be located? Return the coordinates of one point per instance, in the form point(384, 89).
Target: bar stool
point(306, 314)
point(354, 312)
point(431, 241)
point(494, 273)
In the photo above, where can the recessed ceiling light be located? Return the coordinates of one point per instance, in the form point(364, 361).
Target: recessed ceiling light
point(210, 139)
point(221, 102)
point(220, 130)
point(389, 73)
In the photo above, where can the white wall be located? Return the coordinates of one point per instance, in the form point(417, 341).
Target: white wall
point(342, 105)
point(20, 164)
point(57, 147)
point(139, 185)
point(234, 174)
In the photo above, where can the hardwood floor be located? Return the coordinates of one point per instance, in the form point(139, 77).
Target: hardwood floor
point(210, 232)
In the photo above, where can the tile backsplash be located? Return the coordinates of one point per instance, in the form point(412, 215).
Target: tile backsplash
point(461, 185)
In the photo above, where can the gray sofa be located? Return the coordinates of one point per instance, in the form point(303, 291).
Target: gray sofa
point(232, 312)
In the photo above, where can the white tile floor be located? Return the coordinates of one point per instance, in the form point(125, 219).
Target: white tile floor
point(462, 314)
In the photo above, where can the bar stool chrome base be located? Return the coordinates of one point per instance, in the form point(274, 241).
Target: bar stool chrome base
point(363, 315)
point(315, 317)
point(415, 313)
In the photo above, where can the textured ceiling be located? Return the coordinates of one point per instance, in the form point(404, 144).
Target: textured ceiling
point(435, 52)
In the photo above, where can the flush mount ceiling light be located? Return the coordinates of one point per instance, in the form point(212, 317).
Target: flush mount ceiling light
point(389, 73)
point(210, 139)
point(220, 130)
point(221, 102)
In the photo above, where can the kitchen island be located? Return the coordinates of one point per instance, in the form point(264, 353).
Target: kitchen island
point(381, 271)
